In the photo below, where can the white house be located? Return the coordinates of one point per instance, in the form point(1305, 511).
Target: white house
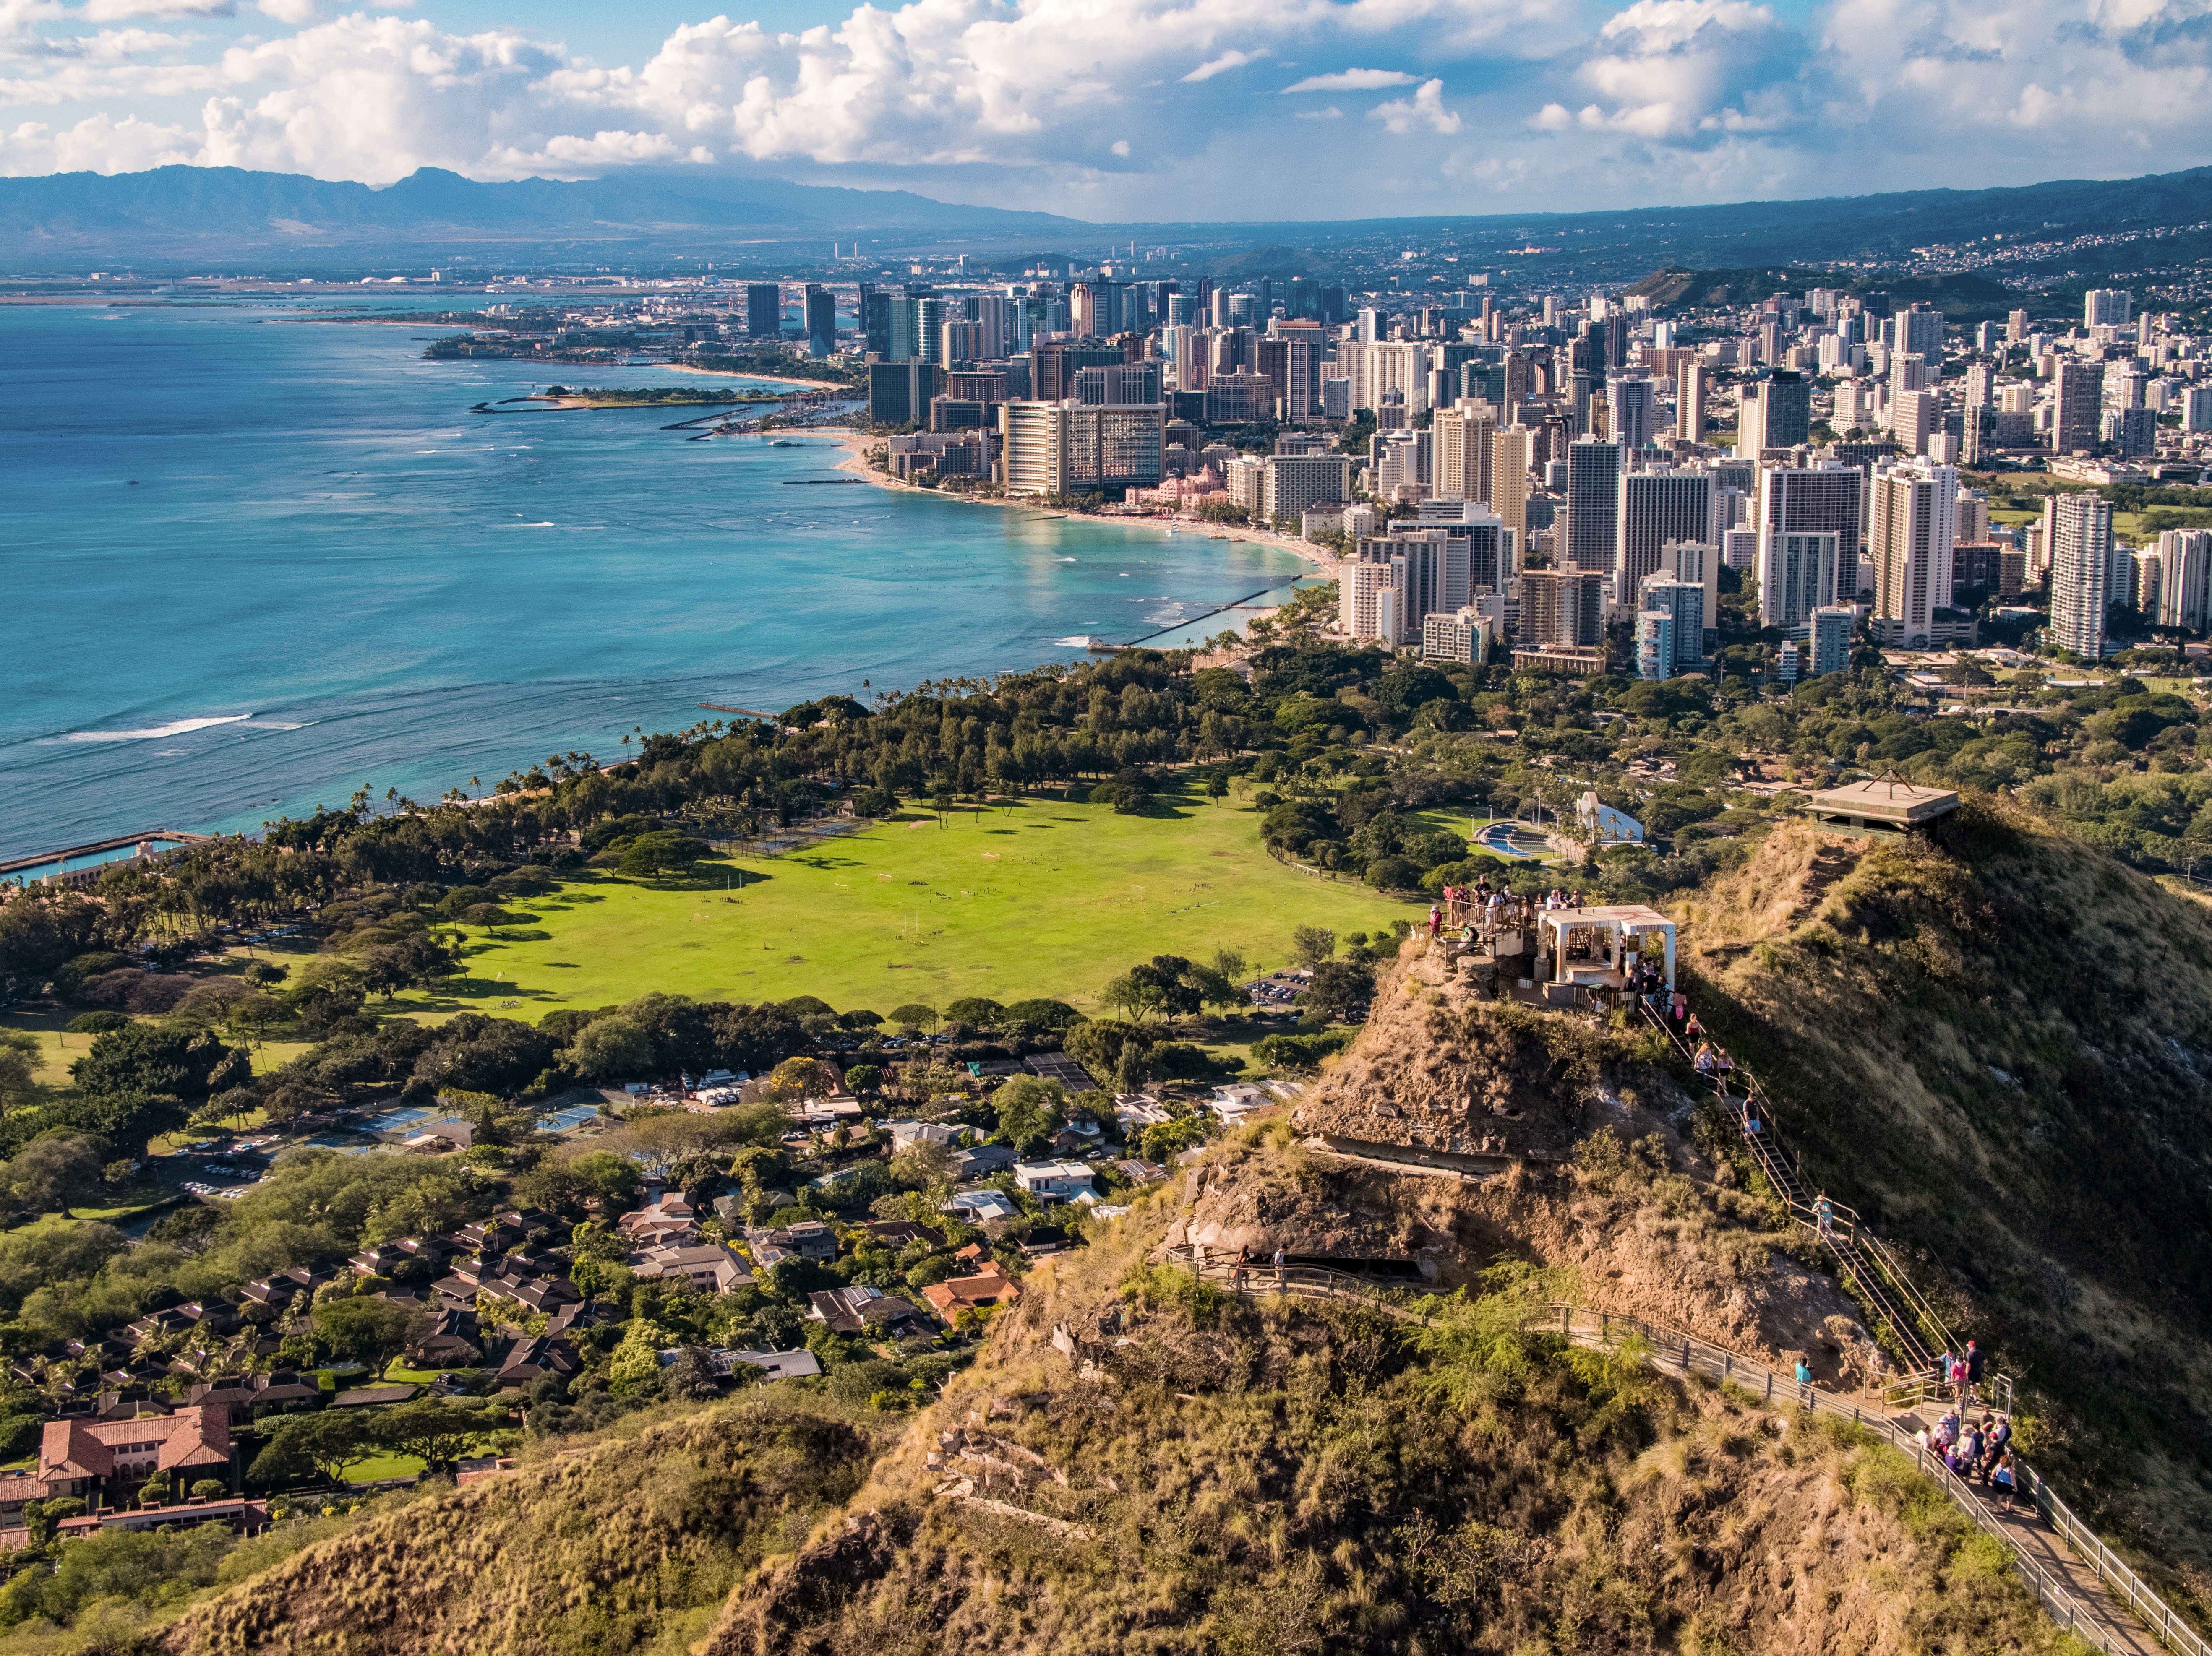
point(1233, 1102)
point(904, 1133)
point(1055, 1181)
point(979, 1206)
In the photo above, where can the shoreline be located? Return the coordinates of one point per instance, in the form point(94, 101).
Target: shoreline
point(854, 443)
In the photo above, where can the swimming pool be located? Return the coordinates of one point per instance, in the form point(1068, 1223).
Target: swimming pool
point(1515, 839)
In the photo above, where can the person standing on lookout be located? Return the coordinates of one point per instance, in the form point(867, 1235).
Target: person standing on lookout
point(1281, 1258)
point(1824, 1217)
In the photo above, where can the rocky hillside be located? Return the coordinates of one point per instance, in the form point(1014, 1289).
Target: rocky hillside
point(2000, 1054)
point(1142, 1463)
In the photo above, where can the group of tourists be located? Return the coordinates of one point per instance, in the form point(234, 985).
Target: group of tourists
point(1975, 1449)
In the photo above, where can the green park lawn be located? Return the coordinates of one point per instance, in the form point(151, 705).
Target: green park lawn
point(1032, 898)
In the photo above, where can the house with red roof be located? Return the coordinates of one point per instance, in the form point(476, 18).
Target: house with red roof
point(114, 1458)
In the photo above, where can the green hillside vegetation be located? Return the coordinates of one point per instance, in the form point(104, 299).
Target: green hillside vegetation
point(1262, 1475)
point(1998, 1055)
point(627, 1542)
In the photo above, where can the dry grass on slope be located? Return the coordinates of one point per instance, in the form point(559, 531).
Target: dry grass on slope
point(626, 1546)
point(2000, 1053)
point(1276, 1476)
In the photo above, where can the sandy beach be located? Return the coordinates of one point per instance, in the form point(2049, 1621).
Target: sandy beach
point(855, 460)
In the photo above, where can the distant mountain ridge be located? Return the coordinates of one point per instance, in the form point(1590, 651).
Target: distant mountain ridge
point(217, 210)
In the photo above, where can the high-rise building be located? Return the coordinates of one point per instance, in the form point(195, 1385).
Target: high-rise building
point(1509, 481)
point(1427, 574)
point(2080, 571)
point(2015, 326)
point(1462, 454)
point(1630, 407)
point(1591, 540)
point(1693, 388)
point(1686, 601)
point(900, 393)
point(1655, 644)
point(763, 310)
point(2077, 404)
point(2184, 586)
point(1053, 366)
point(1118, 383)
point(820, 320)
point(1920, 331)
point(1663, 504)
point(1910, 533)
point(1562, 606)
point(1800, 575)
point(2107, 307)
point(1916, 417)
point(1827, 498)
point(1070, 448)
point(2196, 408)
point(1367, 601)
point(1295, 484)
point(1832, 639)
point(1776, 413)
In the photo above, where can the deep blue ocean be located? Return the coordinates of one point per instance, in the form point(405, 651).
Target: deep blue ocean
point(253, 563)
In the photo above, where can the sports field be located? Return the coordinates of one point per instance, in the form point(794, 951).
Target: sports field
point(1033, 898)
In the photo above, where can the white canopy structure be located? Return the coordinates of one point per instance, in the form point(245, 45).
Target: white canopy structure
point(1590, 945)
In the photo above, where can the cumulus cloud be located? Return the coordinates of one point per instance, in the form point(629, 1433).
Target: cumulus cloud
point(1354, 80)
point(1024, 101)
point(1425, 111)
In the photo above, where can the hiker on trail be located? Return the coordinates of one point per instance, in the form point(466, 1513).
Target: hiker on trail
point(1824, 1217)
point(1680, 1010)
point(1727, 1063)
point(1244, 1272)
point(2004, 1479)
point(1281, 1258)
point(1693, 1030)
point(1970, 1448)
point(2000, 1437)
point(1751, 1118)
point(1947, 1428)
point(1436, 921)
point(1704, 1060)
point(1804, 1383)
point(1959, 1380)
point(1974, 1358)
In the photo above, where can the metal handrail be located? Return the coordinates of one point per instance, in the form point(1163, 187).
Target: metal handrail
point(1695, 1356)
point(1701, 1358)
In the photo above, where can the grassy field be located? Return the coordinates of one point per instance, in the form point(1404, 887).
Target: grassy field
point(1034, 898)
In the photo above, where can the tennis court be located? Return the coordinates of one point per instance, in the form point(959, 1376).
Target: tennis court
point(393, 1120)
point(567, 1120)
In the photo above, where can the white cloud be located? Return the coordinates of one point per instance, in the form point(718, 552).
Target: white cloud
point(1226, 61)
point(1023, 102)
point(1426, 109)
point(1352, 80)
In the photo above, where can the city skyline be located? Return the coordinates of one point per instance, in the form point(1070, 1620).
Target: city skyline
point(1372, 108)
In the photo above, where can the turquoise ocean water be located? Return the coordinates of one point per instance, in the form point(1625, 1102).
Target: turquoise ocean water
point(252, 563)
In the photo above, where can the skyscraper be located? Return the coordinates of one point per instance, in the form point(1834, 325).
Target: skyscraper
point(1509, 481)
point(1693, 387)
point(1776, 413)
point(2077, 404)
point(1592, 506)
point(2184, 587)
point(1920, 330)
point(1685, 600)
point(763, 310)
point(2108, 307)
point(1657, 506)
point(1655, 644)
point(1823, 499)
point(1462, 455)
point(820, 320)
point(2081, 572)
point(1562, 606)
point(1630, 404)
point(1910, 533)
point(1799, 576)
point(1832, 639)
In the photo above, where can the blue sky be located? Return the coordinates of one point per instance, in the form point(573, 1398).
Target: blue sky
point(1132, 109)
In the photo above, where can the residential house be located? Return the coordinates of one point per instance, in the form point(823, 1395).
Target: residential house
point(775, 1365)
point(667, 1219)
point(1138, 1111)
point(450, 1341)
point(904, 1133)
point(1233, 1102)
point(247, 1517)
point(281, 1288)
point(1075, 1138)
point(1055, 1181)
point(980, 1207)
point(1043, 1242)
point(527, 1360)
point(1058, 1067)
point(981, 1160)
point(368, 1396)
point(708, 1267)
point(810, 1239)
point(958, 1293)
point(864, 1310)
point(898, 1233)
point(255, 1395)
point(16, 1493)
point(113, 1457)
point(1139, 1172)
point(381, 1260)
point(127, 1402)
